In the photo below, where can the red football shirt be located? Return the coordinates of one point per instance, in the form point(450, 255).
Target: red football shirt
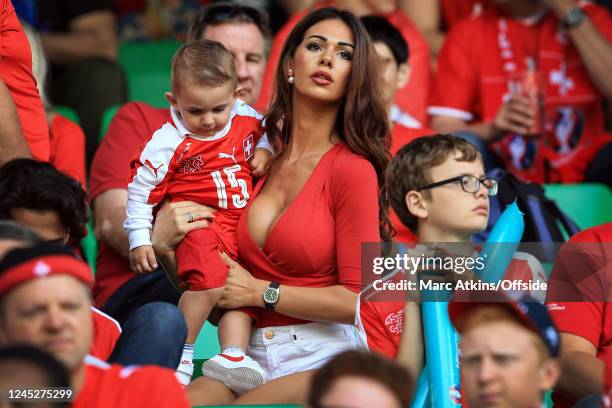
point(131, 127)
point(479, 57)
point(380, 322)
point(16, 73)
point(106, 333)
point(184, 167)
point(116, 386)
point(411, 99)
point(589, 320)
point(67, 144)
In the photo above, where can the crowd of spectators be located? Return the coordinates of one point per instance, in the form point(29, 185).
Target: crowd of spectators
point(383, 119)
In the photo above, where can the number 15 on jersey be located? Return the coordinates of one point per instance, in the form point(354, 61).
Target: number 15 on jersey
point(238, 200)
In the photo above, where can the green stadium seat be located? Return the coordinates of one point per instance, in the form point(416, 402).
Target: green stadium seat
point(68, 113)
point(147, 67)
point(207, 343)
point(89, 245)
point(588, 204)
point(107, 117)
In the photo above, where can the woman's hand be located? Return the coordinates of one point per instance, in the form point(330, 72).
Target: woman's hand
point(241, 288)
point(174, 220)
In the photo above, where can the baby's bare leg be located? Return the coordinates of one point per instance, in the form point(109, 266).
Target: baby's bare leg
point(196, 306)
point(235, 330)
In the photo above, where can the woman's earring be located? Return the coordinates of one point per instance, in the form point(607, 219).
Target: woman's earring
point(290, 77)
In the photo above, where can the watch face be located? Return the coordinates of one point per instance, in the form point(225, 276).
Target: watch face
point(271, 295)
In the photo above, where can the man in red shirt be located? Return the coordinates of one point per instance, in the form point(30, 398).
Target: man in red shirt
point(243, 31)
point(412, 98)
point(586, 326)
point(53, 205)
point(106, 329)
point(46, 303)
point(21, 108)
point(526, 80)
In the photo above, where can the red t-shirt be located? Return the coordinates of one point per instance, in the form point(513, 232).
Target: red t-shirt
point(589, 320)
point(117, 386)
point(106, 333)
point(317, 240)
point(131, 127)
point(67, 144)
point(411, 99)
point(479, 57)
point(16, 73)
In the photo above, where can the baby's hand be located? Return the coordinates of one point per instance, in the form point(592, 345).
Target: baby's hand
point(260, 162)
point(142, 259)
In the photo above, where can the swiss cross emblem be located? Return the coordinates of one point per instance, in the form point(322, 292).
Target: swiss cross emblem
point(248, 146)
point(395, 322)
point(560, 78)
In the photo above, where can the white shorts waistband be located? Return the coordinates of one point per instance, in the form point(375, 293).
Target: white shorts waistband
point(281, 334)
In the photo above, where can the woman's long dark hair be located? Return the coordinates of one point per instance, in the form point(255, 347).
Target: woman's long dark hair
point(362, 121)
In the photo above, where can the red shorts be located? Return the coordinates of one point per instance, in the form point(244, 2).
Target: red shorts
point(199, 265)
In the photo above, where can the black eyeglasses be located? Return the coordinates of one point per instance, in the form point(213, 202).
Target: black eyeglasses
point(469, 184)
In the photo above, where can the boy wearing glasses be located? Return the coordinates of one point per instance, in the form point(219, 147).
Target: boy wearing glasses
point(437, 187)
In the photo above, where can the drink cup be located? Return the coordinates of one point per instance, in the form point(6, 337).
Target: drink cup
point(530, 84)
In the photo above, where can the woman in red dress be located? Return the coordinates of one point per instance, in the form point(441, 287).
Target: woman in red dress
point(300, 236)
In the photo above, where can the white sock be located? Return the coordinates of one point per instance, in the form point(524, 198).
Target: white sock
point(187, 353)
point(233, 351)
point(185, 368)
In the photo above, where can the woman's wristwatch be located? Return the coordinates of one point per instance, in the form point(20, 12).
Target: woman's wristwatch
point(271, 295)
